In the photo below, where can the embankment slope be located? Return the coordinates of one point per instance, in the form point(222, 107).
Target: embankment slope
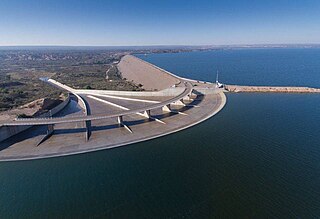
point(140, 72)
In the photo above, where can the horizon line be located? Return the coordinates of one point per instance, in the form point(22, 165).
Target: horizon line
point(152, 45)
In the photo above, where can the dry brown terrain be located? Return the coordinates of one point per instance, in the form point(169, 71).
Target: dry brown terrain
point(140, 72)
point(34, 108)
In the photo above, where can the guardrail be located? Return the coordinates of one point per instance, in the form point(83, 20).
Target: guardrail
point(58, 120)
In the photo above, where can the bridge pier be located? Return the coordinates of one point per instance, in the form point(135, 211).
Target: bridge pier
point(121, 124)
point(187, 98)
point(190, 96)
point(50, 131)
point(146, 114)
point(120, 120)
point(166, 108)
point(179, 103)
point(87, 125)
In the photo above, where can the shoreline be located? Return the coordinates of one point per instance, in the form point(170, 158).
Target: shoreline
point(108, 129)
point(216, 111)
point(269, 89)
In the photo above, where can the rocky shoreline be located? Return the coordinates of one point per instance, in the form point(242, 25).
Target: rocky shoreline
point(270, 89)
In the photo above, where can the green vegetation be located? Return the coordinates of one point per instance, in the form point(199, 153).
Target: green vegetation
point(20, 72)
point(100, 77)
point(22, 93)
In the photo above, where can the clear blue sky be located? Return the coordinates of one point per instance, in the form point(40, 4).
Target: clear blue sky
point(161, 22)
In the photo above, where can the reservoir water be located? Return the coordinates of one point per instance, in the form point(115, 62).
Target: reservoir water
point(258, 158)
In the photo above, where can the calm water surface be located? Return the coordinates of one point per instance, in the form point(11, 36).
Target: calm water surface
point(292, 67)
point(258, 158)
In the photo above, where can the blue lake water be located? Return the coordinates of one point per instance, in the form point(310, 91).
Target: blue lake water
point(293, 67)
point(258, 158)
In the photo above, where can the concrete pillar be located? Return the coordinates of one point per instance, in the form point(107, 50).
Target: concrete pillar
point(120, 120)
point(181, 103)
point(121, 124)
point(187, 98)
point(50, 130)
point(88, 129)
point(166, 108)
point(146, 114)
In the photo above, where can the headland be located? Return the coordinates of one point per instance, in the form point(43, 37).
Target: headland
point(102, 119)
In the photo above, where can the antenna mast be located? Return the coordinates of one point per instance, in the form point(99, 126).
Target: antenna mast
point(218, 85)
point(217, 81)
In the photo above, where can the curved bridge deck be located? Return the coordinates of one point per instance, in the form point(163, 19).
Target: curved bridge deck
point(106, 133)
point(57, 120)
point(116, 120)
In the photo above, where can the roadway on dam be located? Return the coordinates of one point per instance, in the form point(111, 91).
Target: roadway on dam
point(57, 120)
point(68, 137)
point(95, 119)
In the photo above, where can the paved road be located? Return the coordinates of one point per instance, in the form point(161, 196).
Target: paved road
point(58, 120)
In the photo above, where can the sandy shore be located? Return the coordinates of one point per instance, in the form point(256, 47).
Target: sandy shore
point(140, 72)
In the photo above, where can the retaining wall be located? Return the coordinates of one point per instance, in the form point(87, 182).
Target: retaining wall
point(166, 92)
point(8, 131)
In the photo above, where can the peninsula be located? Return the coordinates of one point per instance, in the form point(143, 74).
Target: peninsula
point(90, 120)
point(156, 103)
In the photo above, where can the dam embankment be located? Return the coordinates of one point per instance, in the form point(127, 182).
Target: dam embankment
point(270, 89)
point(151, 78)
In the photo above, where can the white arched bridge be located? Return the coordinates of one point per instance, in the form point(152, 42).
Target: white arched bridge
point(185, 86)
